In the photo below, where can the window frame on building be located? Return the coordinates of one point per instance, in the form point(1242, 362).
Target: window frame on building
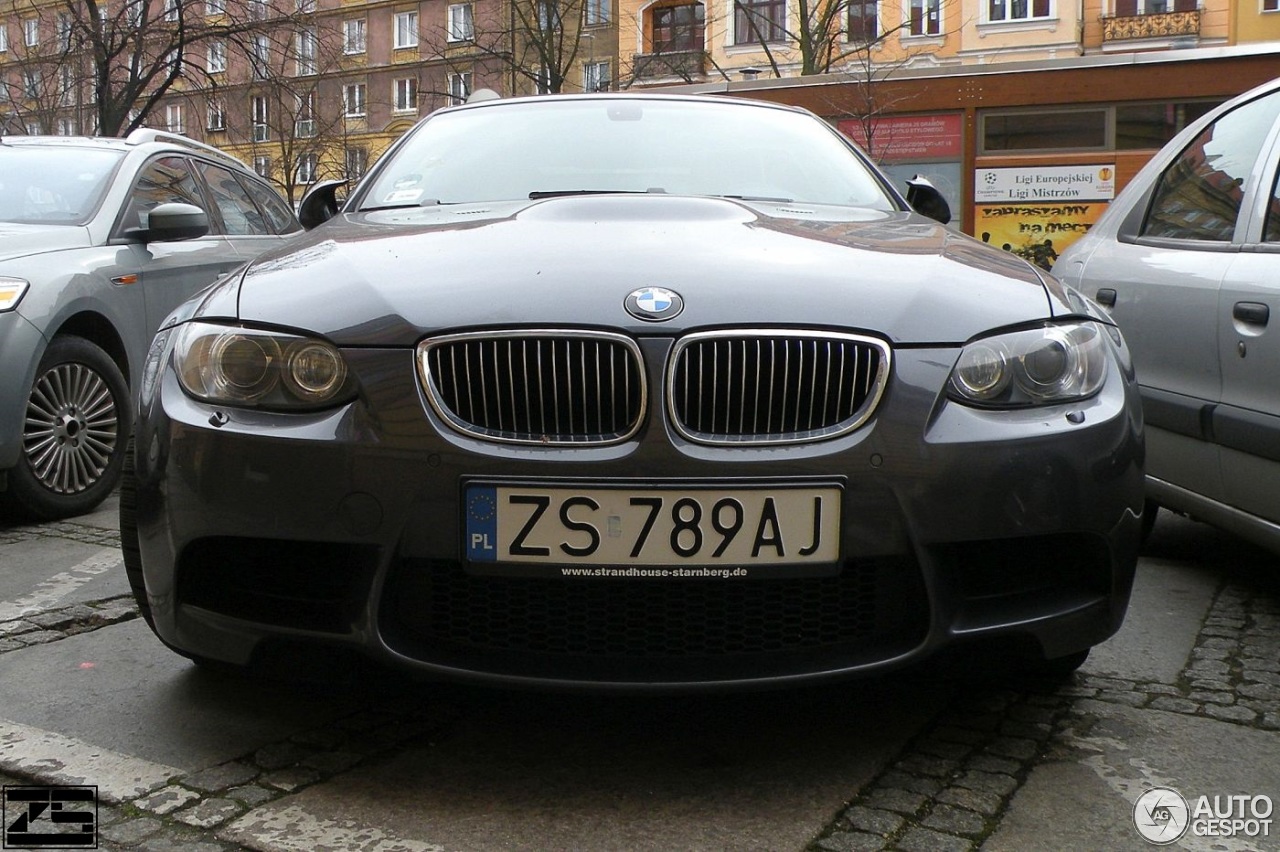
point(405, 30)
point(596, 13)
point(926, 24)
point(306, 168)
point(215, 115)
point(359, 156)
point(770, 17)
point(460, 22)
point(864, 29)
point(260, 118)
point(404, 94)
point(306, 49)
point(304, 122)
point(595, 76)
point(671, 34)
point(262, 165)
point(216, 56)
point(459, 85)
point(361, 100)
point(355, 36)
point(31, 32)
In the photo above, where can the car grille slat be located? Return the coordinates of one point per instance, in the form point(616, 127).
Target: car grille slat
point(774, 386)
point(537, 387)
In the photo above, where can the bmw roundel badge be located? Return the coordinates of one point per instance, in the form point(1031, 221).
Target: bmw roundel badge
point(654, 304)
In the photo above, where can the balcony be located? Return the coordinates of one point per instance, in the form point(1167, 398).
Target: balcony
point(1163, 25)
point(686, 65)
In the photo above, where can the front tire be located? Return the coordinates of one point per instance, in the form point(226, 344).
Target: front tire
point(78, 418)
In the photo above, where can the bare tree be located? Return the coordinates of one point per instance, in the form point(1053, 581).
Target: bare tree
point(131, 55)
point(534, 44)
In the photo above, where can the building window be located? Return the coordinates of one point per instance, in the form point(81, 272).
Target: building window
point(262, 166)
point(258, 10)
point(133, 11)
point(33, 128)
point(67, 86)
point(678, 28)
point(1270, 5)
point(354, 36)
point(406, 29)
point(595, 77)
point(261, 56)
point(217, 61)
point(357, 162)
point(596, 12)
point(1045, 130)
point(217, 116)
point(215, 7)
point(406, 94)
point(757, 21)
point(459, 88)
point(31, 32)
point(173, 118)
point(1132, 8)
point(261, 114)
point(30, 83)
point(306, 48)
point(926, 18)
point(461, 22)
point(172, 10)
point(64, 31)
point(306, 171)
point(549, 16)
point(304, 126)
point(4, 37)
point(306, 7)
point(864, 21)
point(66, 127)
point(1018, 10)
point(353, 98)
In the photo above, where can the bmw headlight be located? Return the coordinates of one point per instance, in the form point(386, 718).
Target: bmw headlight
point(253, 367)
point(1041, 366)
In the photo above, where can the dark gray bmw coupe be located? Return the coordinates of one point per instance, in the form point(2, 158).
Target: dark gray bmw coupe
point(634, 391)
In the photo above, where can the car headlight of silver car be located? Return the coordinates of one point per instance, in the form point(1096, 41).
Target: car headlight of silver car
point(11, 292)
point(252, 367)
point(1040, 366)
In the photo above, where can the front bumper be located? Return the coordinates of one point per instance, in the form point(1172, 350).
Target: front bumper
point(344, 528)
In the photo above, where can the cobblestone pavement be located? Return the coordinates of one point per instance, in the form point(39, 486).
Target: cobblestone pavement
point(947, 790)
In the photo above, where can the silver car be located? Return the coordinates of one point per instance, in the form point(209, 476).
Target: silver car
point(99, 240)
point(1187, 261)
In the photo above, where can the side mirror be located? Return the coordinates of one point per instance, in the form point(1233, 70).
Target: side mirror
point(174, 221)
point(320, 204)
point(926, 200)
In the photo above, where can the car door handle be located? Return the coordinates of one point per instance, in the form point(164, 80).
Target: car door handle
point(1106, 297)
point(1254, 313)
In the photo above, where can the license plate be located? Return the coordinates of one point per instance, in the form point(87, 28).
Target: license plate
point(652, 532)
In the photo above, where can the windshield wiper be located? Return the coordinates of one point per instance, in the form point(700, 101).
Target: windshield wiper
point(555, 193)
point(757, 198)
point(426, 202)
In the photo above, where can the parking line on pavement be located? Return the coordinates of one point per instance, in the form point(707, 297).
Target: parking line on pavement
point(53, 590)
point(52, 758)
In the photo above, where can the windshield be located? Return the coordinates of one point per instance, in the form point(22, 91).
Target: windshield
point(567, 146)
point(56, 184)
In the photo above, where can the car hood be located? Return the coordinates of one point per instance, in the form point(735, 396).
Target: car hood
point(24, 240)
point(391, 277)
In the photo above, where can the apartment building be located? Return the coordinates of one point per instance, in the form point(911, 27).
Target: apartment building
point(303, 90)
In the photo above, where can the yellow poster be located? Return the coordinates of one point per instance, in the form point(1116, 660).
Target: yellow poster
point(1037, 232)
